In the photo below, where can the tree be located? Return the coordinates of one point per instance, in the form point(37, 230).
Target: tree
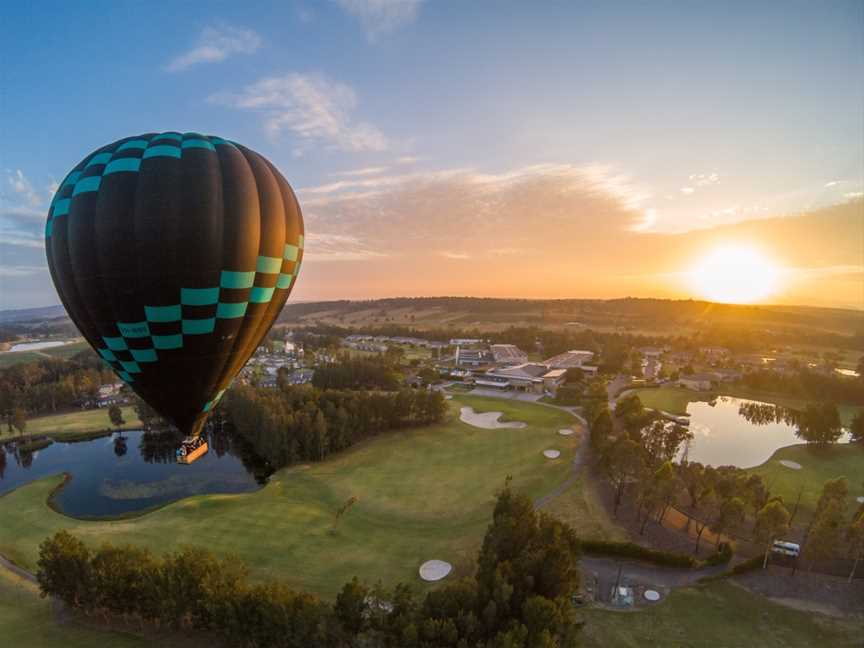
point(856, 428)
point(820, 424)
point(623, 463)
point(825, 535)
point(855, 539)
point(342, 510)
point(115, 414)
point(352, 606)
point(730, 513)
point(601, 430)
point(772, 521)
point(19, 419)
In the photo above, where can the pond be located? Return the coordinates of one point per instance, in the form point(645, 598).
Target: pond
point(36, 346)
point(722, 436)
point(122, 474)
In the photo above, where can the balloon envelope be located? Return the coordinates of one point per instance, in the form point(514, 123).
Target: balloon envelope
point(174, 253)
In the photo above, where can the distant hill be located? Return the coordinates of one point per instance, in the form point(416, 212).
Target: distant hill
point(648, 316)
point(32, 314)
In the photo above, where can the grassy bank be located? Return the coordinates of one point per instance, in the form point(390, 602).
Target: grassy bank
point(26, 621)
point(61, 426)
point(721, 615)
point(422, 494)
point(817, 466)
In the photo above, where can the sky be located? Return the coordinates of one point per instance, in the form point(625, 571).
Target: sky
point(513, 149)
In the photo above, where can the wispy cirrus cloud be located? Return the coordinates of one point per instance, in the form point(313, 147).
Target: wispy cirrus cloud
point(216, 43)
point(380, 17)
point(23, 188)
point(21, 270)
point(367, 171)
point(315, 109)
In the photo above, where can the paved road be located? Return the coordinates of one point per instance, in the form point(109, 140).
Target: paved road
point(640, 575)
point(15, 569)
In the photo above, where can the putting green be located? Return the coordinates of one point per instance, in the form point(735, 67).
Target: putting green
point(421, 493)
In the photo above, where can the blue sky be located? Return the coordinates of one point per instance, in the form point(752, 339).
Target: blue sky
point(684, 115)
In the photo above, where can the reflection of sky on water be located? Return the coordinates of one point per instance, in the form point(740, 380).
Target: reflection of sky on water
point(722, 437)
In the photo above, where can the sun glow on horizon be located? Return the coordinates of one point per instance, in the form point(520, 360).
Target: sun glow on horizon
point(735, 274)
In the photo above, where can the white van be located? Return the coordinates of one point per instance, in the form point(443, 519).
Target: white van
point(786, 548)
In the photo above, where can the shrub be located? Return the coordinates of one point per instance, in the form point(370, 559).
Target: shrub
point(638, 552)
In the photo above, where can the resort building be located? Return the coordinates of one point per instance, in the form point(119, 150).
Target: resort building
point(697, 382)
point(508, 354)
point(569, 359)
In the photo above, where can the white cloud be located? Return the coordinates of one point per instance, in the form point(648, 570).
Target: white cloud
point(704, 179)
point(407, 159)
point(379, 17)
point(21, 270)
point(360, 172)
point(455, 213)
point(22, 186)
point(687, 190)
point(322, 246)
point(215, 44)
point(22, 239)
point(853, 194)
point(833, 183)
point(312, 107)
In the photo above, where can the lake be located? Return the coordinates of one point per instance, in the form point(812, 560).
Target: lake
point(723, 437)
point(119, 475)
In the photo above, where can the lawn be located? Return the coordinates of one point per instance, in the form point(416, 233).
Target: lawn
point(817, 466)
point(675, 399)
point(580, 507)
point(26, 622)
point(60, 425)
point(65, 352)
point(721, 615)
point(422, 494)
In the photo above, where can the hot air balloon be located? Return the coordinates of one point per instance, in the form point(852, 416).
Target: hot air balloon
point(174, 253)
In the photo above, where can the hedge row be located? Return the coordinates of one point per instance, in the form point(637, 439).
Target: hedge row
point(638, 552)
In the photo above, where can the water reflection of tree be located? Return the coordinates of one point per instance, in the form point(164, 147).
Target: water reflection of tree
point(159, 446)
point(2, 461)
point(766, 413)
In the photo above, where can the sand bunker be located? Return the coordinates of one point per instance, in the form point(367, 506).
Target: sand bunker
point(434, 570)
point(551, 454)
point(651, 595)
point(860, 500)
point(448, 397)
point(487, 420)
point(565, 431)
point(794, 465)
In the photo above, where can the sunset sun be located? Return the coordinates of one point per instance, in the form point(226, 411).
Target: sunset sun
point(734, 274)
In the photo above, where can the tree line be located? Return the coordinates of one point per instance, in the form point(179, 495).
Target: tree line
point(50, 385)
point(637, 451)
point(519, 595)
point(304, 423)
point(357, 373)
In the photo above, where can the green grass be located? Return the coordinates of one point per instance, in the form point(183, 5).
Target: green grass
point(675, 399)
point(26, 622)
point(8, 359)
point(67, 350)
point(720, 615)
point(817, 466)
point(60, 425)
point(580, 507)
point(425, 493)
